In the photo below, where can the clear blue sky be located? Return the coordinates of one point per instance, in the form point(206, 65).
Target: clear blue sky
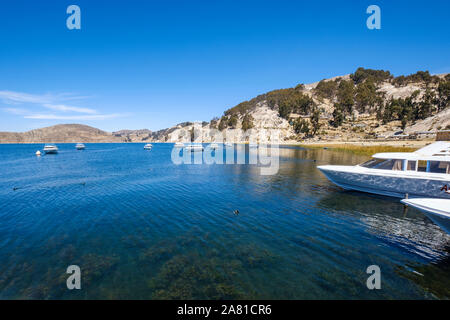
point(152, 64)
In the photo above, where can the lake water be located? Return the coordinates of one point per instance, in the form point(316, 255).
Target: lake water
point(141, 227)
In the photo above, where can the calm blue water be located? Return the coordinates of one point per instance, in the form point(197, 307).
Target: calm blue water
point(141, 227)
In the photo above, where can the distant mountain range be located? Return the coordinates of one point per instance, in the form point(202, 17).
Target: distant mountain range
point(363, 105)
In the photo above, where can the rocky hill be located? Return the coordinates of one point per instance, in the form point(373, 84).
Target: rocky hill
point(70, 133)
point(366, 104)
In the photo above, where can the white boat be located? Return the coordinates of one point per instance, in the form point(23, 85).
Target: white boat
point(179, 144)
point(148, 146)
point(193, 147)
point(253, 145)
point(80, 146)
point(50, 148)
point(228, 144)
point(423, 173)
point(438, 210)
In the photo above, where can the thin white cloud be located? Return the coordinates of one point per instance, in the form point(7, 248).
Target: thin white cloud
point(52, 102)
point(17, 111)
point(65, 108)
point(22, 97)
point(78, 117)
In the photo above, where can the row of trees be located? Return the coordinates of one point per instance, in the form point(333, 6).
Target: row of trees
point(412, 108)
point(231, 121)
point(361, 94)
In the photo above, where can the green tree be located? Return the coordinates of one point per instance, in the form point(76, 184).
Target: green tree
point(376, 76)
point(315, 121)
point(232, 122)
point(426, 107)
point(284, 109)
point(301, 126)
point(338, 116)
point(443, 100)
point(223, 124)
point(366, 95)
point(326, 89)
point(247, 122)
point(345, 95)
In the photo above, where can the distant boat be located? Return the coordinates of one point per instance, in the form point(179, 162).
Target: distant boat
point(253, 145)
point(148, 146)
point(228, 144)
point(80, 146)
point(179, 144)
point(194, 147)
point(423, 173)
point(50, 148)
point(438, 210)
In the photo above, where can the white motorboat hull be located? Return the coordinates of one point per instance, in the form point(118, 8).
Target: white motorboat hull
point(388, 183)
point(51, 151)
point(438, 210)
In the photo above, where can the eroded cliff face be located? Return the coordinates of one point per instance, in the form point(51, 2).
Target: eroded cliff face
point(267, 127)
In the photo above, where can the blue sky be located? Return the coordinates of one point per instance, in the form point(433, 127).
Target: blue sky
point(152, 64)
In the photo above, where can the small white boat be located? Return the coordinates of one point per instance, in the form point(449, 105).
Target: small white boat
point(148, 146)
point(80, 146)
point(50, 148)
point(438, 210)
point(179, 144)
point(228, 144)
point(194, 147)
point(253, 145)
point(423, 173)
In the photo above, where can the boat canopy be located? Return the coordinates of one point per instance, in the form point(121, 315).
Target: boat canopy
point(410, 156)
point(438, 151)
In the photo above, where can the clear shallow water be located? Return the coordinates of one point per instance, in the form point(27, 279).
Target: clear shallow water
point(141, 227)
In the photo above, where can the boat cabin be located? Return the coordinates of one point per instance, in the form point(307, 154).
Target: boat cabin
point(434, 158)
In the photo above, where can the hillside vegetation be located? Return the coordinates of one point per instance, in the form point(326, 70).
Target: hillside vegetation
point(363, 92)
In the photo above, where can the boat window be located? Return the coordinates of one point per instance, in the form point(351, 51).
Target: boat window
point(411, 165)
point(439, 167)
point(372, 163)
point(389, 164)
point(422, 166)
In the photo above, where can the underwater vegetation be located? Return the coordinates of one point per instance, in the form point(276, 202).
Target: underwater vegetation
point(432, 277)
point(189, 269)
